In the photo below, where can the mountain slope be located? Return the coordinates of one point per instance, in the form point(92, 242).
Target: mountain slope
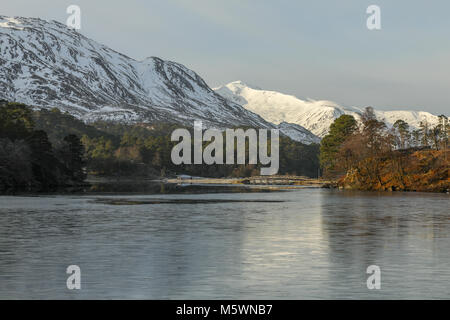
point(48, 65)
point(316, 116)
point(298, 133)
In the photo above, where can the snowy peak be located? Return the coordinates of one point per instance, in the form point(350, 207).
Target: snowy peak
point(314, 115)
point(248, 96)
point(48, 65)
point(239, 84)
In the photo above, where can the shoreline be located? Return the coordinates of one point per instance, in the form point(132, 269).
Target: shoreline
point(293, 181)
point(262, 183)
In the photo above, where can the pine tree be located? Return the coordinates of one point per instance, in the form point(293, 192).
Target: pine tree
point(72, 154)
point(402, 128)
point(340, 129)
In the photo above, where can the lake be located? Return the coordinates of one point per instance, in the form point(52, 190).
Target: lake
point(302, 244)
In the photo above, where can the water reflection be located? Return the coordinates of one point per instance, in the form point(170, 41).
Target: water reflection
point(308, 243)
point(405, 234)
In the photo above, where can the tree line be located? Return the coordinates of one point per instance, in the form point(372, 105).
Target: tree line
point(28, 160)
point(46, 149)
point(374, 157)
point(146, 150)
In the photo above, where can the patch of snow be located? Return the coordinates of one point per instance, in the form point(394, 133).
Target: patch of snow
point(9, 22)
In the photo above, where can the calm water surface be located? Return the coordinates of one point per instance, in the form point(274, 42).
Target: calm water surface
point(315, 244)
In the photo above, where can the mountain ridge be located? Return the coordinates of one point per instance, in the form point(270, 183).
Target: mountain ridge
point(314, 115)
point(46, 64)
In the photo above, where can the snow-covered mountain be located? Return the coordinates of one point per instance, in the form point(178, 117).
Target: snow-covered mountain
point(298, 133)
point(316, 116)
point(46, 64)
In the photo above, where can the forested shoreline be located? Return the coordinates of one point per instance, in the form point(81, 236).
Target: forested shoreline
point(45, 150)
point(373, 157)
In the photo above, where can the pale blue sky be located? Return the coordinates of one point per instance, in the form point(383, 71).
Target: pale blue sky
point(311, 49)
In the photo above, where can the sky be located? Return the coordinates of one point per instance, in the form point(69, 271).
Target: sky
point(319, 50)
